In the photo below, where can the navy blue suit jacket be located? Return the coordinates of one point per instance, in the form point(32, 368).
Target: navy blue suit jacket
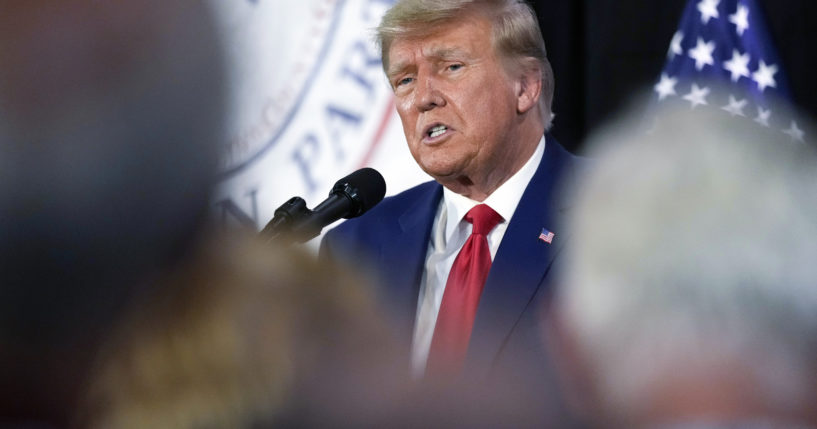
point(506, 341)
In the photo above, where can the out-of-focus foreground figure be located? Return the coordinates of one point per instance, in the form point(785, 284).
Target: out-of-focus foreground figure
point(110, 125)
point(244, 336)
point(690, 298)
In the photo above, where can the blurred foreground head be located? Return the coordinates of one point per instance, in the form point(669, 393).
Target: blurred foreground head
point(246, 336)
point(110, 116)
point(691, 289)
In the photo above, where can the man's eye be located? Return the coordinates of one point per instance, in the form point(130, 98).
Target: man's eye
point(454, 67)
point(404, 81)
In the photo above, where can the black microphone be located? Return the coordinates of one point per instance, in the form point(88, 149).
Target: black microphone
point(350, 197)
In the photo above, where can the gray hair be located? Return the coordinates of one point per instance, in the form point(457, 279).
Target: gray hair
point(694, 247)
point(516, 36)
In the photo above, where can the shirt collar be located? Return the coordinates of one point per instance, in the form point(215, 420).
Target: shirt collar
point(503, 200)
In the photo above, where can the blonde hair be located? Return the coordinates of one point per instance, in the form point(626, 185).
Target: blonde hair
point(229, 340)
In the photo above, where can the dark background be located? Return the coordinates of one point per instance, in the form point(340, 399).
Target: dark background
point(605, 52)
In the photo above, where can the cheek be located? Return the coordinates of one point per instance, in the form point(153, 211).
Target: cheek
point(494, 111)
point(481, 115)
point(481, 105)
point(407, 118)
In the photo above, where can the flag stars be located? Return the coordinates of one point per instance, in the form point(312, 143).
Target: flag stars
point(752, 62)
point(675, 45)
point(708, 9)
point(735, 107)
point(741, 19)
point(764, 76)
point(738, 66)
point(795, 132)
point(702, 53)
point(697, 96)
point(763, 116)
point(666, 86)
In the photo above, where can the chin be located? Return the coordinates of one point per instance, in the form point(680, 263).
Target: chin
point(437, 171)
point(440, 164)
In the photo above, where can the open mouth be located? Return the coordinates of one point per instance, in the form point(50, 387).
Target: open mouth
point(437, 131)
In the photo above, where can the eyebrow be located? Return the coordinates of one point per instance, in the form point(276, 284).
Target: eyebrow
point(396, 68)
point(446, 53)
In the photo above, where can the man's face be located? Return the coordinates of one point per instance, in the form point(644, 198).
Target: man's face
point(457, 103)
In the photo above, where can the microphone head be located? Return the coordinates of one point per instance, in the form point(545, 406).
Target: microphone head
point(365, 188)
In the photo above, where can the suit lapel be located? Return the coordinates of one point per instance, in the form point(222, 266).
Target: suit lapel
point(521, 264)
point(402, 258)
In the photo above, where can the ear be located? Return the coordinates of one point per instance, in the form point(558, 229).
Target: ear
point(528, 88)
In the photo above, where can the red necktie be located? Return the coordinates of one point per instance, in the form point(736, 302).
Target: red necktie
point(461, 297)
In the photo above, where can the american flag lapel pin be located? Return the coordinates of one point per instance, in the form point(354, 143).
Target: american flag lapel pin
point(546, 236)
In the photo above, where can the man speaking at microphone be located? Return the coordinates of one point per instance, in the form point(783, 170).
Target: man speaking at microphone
point(464, 261)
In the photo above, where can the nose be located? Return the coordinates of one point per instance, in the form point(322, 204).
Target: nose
point(428, 94)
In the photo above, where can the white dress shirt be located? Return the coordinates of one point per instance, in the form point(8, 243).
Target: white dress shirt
point(448, 234)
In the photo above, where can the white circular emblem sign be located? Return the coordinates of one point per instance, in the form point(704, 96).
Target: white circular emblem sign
point(309, 103)
point(274, 50)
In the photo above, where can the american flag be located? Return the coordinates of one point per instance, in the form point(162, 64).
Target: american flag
point(726, 43)
point(546, 236)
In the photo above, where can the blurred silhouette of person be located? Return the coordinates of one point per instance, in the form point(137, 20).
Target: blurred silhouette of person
point(110, 125)
point(244, 336)
point(689, 296)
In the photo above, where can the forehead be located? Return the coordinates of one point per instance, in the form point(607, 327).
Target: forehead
point(466, 36)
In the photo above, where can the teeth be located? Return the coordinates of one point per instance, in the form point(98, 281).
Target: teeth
point(436, 131)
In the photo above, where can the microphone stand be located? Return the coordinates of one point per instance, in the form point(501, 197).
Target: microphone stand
point(289, 214)
point(350, 197)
